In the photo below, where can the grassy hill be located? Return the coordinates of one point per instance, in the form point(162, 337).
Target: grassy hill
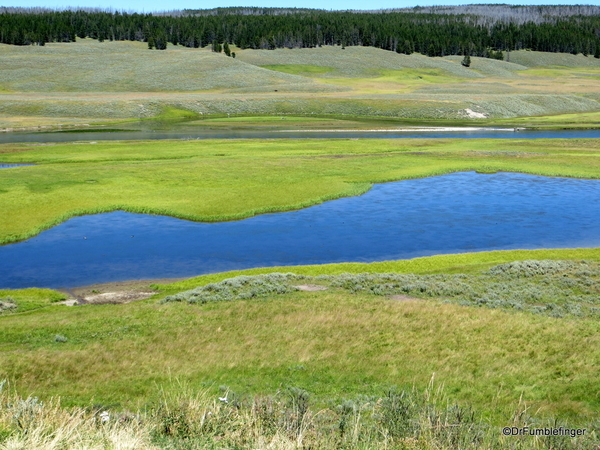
point(65, 83)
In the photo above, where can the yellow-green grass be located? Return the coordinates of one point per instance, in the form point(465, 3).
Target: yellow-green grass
point(290, 122)
point(215, 180)
point(334, 344)
point(175, 114)
point(388, 80)
point(580, 120)
point(562, 72)
point(299, 69)
point(28, 299)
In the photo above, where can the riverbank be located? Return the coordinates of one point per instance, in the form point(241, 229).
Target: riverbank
point(467, 263)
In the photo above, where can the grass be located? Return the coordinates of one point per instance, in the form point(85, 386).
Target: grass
point(128, 67)
point(336, 344)
point(288, 122)
point(388, 80)
point(300, 69)
point(464, 263)
point(245, 178)
point(581, 120)
point(538, 59)
point(188, 419)
point(135, 83)
point(22, 300)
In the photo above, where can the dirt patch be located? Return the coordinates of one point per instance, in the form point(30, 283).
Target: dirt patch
point(114, 293)
point(311, 287)
point(403, 298)
point(114, 298)
point(475, 115)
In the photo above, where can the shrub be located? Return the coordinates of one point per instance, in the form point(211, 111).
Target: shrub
point(554, 288)
point(7, 304)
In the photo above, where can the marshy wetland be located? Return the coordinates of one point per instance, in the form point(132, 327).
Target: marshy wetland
point(500, 327)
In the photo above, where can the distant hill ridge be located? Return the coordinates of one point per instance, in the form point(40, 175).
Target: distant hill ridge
point(475, 30)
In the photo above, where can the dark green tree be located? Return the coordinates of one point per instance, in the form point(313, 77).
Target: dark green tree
point(406, 32)
point(466, 61)
point(216, 47)
point(160, 40)
point(226, 49)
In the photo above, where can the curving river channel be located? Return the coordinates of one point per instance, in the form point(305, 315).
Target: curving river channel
point(455, 213)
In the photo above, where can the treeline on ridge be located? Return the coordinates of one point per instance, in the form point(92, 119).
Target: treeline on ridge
point(402, 32)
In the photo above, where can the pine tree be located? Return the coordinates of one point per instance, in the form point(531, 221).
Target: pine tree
point(466, 60)
point(216, 47)
point(160, 40)
point(226, 49)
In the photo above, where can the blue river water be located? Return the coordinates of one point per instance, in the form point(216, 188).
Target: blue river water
point(8, 166)
point(494, 133)
point(455, 213)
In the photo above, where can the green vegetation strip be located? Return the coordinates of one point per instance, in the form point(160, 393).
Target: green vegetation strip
point(21, 300)
point(554, 288)
point(457, 263)
point(353, 339)
point(216, 180)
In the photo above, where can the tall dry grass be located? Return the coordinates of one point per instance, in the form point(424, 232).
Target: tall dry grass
point(28, 423)
point(184, 419)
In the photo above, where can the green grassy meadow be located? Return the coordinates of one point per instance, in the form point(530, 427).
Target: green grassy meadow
point(333, 343)
point(215, 180)
point(439, 354)
point(342, 354)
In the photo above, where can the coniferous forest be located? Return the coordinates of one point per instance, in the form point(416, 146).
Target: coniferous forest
point(422, 30)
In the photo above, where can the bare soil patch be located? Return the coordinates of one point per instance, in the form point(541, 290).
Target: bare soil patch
point(311, 287)
point(115, 293)
point(404, 298)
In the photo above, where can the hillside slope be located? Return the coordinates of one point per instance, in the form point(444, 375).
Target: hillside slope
point(120, 80)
